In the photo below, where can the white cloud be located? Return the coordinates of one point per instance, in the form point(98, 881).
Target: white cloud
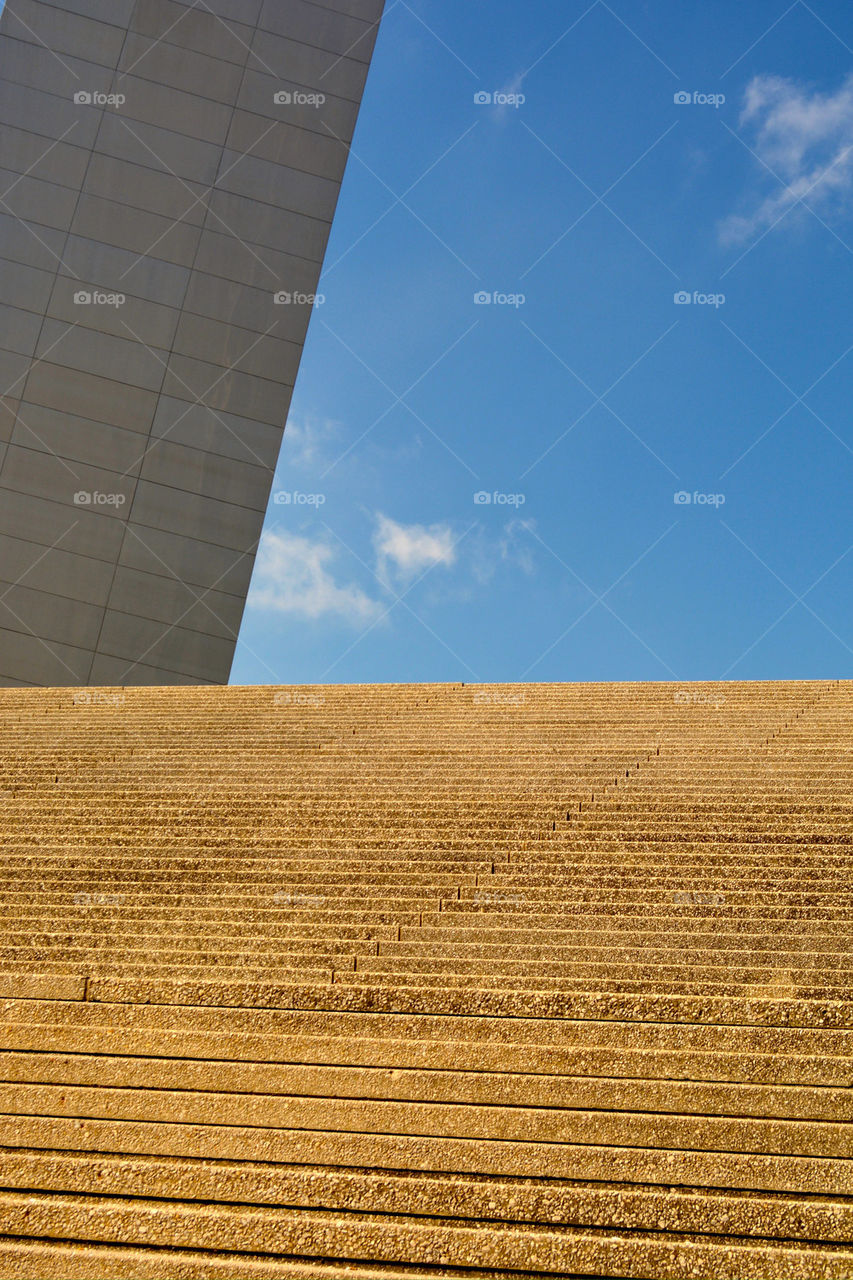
point(292, 576)
point(295, 574)
point(806, 138)
point(405, 550)
point(306, 442)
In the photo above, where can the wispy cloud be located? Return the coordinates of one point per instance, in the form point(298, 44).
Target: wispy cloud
point(307, 442)
point(293, 575)
point(806, 138)
point(299, 575)
point(510, 548)
point(405, 550)
point(515, 546)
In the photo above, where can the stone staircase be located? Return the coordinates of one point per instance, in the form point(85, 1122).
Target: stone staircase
point(427, 981)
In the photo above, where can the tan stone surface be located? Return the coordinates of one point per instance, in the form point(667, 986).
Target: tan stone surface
point(424, 981)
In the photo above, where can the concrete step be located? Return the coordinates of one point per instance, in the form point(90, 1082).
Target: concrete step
point(532, 981)
point(625, 1206)
point(21, 1259)
point(472, 1088)
point(794, 1068)
point(514, 1123)
point(459, 1242)
point(766, 1032)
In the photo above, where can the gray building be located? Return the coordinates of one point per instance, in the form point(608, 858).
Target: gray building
point(168, 175)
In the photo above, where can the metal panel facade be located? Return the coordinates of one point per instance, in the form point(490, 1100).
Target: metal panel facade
point(168, 176)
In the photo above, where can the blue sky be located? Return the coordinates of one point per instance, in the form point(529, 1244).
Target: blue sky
point(582, 398)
